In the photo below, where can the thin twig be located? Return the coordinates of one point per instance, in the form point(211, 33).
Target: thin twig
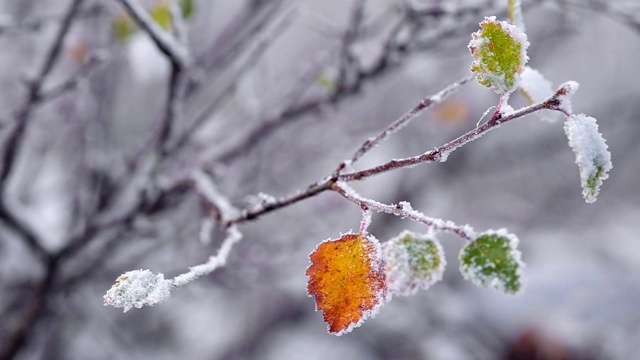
point(28, 235)
point(214, 262)
point(34, 93)
point(36, 23)
point(227, 83)
point(386, 61)
point(441, 153)
point(175, 51)
point(349, 64)
point(605, 8)
point(71, 83)
point(404, 120)
point(268, 207)
point(404, 210)
point(222, 206)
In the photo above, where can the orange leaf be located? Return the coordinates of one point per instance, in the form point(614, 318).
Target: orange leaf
point(347, 279)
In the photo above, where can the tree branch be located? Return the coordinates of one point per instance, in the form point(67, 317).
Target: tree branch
point(176, 52)
point(34, 94)
point(441, 153)
point(404, 210)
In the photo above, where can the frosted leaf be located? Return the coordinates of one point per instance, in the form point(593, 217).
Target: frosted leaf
point(136, 289)
point(347, 280)
point(592, 155)
point(500, 52)
point(414, 262)
point(492, 260)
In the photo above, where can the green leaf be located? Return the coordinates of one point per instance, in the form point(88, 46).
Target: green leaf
point(492, 260)
point(592, 154)
point(413, 262)
point(187, 8)
point(162, 15)
point(123, 27)
point(499, 50)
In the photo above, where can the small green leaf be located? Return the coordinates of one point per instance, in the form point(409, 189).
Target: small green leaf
point(162, 15)
point(492, 260)
point(499, 49)
point(187, 8)
point(414, 262)
point(592, 155)
point(123, 27)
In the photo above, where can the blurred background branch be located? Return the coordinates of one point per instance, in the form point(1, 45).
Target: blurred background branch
point(128, 99)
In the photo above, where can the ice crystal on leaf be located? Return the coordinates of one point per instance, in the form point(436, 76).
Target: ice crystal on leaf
point(347, 279)
point(592, 156)
point(492, 260)
point(414, 262)
point(138, 288)
point(499, 49)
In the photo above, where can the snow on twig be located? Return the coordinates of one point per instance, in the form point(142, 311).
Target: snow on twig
point(214, 262)
point(140, 288)
point(208, 190)
point(404, 210)
point(169, 45)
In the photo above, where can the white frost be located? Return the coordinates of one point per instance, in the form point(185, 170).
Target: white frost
point(138, 288)
point(536, 88)
point(214, 262)
point(535, 85)
point(564, 94)
point(405, 272)
point(592, 154)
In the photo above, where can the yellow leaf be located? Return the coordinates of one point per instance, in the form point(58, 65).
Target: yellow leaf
point(348, 281)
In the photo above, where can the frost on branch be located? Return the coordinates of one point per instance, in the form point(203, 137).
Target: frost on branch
point(414, 262)
point(592, 156)
point(564, 94)
point(492, 260)
point(500, 52)
point(347, 279)
point(138, 288)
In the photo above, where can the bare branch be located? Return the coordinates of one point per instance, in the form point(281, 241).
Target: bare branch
point(441, 153)
point(87, 69)
point(176, 52)
point(30, 238)
point(404, 210)
point(214, 262)
point(220, 204)
point(256, 49)
point(35, 23)
point(404, 120)
point(605, 8)
point(34, 93)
